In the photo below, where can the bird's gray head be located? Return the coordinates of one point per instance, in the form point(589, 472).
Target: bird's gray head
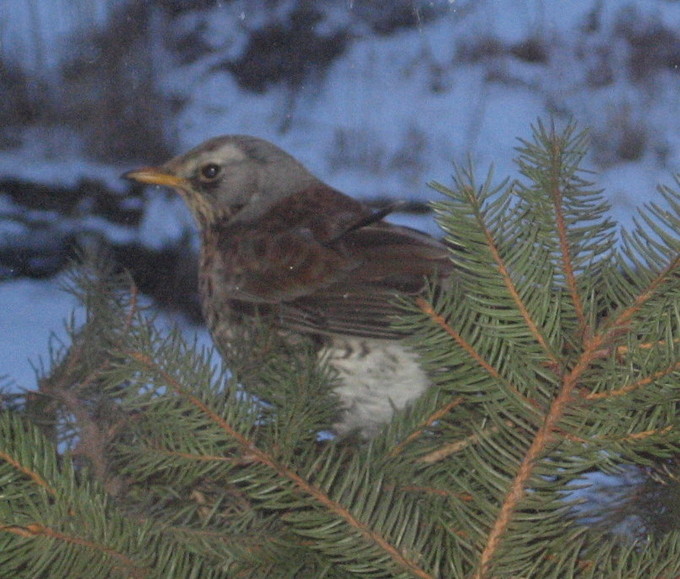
point(236, 176)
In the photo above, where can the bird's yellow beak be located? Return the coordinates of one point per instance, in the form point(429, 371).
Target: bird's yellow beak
point(155, 176)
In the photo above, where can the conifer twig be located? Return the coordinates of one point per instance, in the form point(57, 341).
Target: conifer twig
point(427, 423)
point(250, 448)
point(428, 309)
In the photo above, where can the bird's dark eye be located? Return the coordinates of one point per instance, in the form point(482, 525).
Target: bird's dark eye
point(210, 171)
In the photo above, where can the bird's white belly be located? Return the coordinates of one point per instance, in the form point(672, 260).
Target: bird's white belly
point(376, 378)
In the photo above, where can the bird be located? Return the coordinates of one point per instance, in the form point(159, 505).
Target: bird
point(281, 246)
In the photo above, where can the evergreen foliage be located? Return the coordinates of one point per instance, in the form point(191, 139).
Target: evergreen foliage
point(554, 354)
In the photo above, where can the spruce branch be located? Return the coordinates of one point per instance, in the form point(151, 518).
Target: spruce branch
point(250, 452)
point(536, 280)
point(553, 354)
point(561, 154)
point(57, 516)
point(426, 424)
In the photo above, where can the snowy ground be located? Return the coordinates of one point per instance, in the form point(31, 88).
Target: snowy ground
point(410, 93)
point(31, 311)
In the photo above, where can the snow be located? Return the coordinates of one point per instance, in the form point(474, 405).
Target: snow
point(409, 92)
point(37, 33)
point(164, 216)
point(33, 318)
point(54, 156)
point(32, 311)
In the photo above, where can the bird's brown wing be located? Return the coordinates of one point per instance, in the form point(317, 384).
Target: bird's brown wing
point(322, 262)
point(388, 261)
point(347, 286)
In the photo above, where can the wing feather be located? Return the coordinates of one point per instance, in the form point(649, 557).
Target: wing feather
point(329, 276)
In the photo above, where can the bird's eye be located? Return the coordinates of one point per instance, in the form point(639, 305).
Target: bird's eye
point(209, 171)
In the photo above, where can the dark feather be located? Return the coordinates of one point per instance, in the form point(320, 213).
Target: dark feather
point(336, 270)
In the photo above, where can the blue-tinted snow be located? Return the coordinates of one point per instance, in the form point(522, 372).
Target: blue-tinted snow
point(374, 104)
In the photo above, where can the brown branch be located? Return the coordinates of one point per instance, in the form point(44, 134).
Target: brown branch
point(580, 563)
point(38, 530)
point(134, 306)
point(448, 449)
point(632, 436)
point(514, 293)
point(201, 457)
point(634, 385)
point(571, 437)
point(427, 423)
point(647, 433)
point(93, 439)
point(440, 320)
point(94, 434)
point(561, 227)
point(593, 347)
point(542, 440)
point(467, 497)
point(545, 434)
point(30, 473)
point(620, 321)
point(300, 482)
point(623, 350)
point(427, 308)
